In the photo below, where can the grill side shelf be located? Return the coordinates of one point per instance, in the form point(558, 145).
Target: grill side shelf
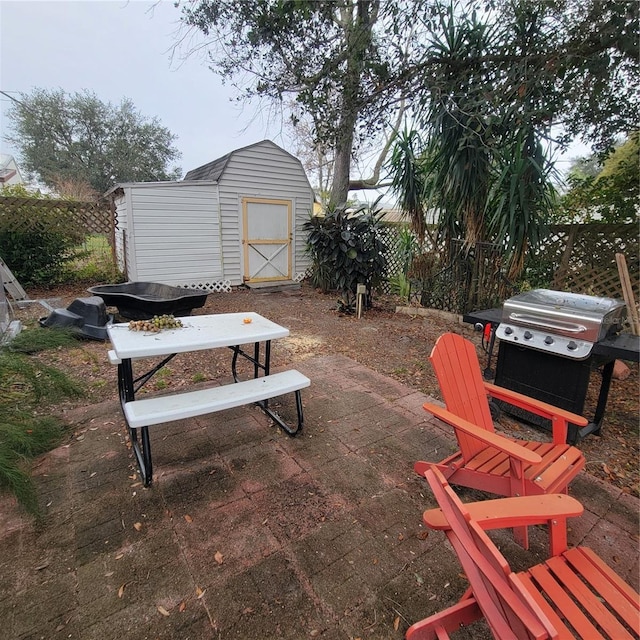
point(624, 346)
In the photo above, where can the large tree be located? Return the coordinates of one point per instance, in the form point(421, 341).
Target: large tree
point(338, 59)
point(76, 137)
point(350, 64)
point(493, 89)
point(611, 192)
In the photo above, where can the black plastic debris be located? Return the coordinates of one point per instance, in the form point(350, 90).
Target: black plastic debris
point(87, 317)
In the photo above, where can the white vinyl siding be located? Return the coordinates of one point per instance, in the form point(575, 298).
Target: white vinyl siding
point(262, 171)
point(175, 234)
point(189, 233)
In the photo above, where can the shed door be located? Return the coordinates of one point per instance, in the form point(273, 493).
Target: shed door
point(266, 239)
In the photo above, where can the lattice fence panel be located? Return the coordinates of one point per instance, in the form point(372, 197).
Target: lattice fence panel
point(27, 214)
point(89, 224)
point(577, 258)
point(474, 279)
point(588, 260)
point(596, 282)
point(390, 235)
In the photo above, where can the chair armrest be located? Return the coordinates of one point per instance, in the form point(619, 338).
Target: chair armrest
point(512, 449)
point(505, 513)
point(559, 417)
point(535, 406)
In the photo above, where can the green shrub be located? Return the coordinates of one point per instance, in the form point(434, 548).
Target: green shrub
point(347, 249)
point(37, 240)
point(400, 286)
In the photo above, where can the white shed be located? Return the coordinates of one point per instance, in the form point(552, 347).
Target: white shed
point(235, 220)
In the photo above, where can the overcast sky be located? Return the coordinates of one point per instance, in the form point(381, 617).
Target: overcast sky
point(123, 49)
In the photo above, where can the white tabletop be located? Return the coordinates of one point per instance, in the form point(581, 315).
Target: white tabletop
point(197, 333)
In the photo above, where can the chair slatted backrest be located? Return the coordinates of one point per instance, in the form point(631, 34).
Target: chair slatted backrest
point(508, 609)
point(457, 369)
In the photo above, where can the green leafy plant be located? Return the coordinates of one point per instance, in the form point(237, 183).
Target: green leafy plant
point(407, 248)
point(400, 285)
point(347, 249)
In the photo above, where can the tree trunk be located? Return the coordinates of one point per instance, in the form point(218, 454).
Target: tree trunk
point(341, 170)
point(358, 31)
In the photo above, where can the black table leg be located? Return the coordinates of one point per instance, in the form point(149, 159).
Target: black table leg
point(265, 367)
point(279, 421)
point(141, 447)
point(143, 454)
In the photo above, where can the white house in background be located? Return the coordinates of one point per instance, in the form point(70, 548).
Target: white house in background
point(9, 172)
point(232, 221)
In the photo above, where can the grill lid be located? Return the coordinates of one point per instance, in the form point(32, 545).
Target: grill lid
point(558, 321)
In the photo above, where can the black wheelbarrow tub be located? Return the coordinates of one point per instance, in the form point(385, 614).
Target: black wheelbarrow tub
point(143, 300)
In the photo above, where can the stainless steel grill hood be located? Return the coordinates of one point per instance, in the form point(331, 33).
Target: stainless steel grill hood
point(567, 324)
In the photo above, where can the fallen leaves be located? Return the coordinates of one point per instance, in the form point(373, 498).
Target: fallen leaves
point(137, 526)
point(163, 611)
point(218, 557)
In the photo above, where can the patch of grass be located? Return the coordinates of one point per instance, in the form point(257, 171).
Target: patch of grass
point(26, 385)
point(35, 340)
point(94, 262)
point(199, 377)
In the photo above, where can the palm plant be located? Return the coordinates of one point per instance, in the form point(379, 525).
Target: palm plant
point(476, 157)
point(408, 179)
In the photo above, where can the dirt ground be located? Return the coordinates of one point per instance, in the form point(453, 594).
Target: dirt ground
point(394, 344)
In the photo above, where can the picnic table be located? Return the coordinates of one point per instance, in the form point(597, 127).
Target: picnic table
point(248, 335)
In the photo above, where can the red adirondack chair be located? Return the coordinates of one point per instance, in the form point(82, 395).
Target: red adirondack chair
point(487, 460)
point(574, 594)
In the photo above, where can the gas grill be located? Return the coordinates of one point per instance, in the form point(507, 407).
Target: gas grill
point(550, 342)
point(564, 324)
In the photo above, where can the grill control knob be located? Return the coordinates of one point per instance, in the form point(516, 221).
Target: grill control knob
point(528, 335)
point(508, 331)
point(572, 346)
point(548, 340)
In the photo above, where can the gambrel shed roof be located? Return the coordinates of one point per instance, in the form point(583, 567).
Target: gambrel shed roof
point(213, 170)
